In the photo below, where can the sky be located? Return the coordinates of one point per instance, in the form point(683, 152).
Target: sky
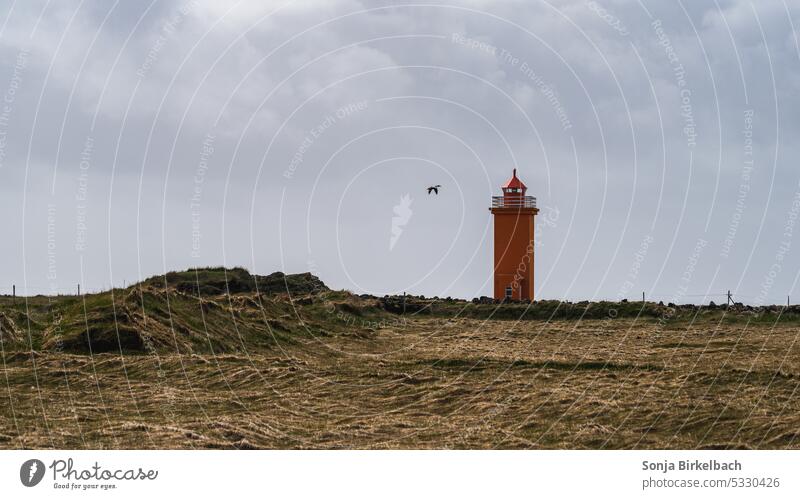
point(659, 139)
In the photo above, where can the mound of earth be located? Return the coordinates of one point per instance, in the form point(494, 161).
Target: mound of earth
point(219, 280)
point(199, 311)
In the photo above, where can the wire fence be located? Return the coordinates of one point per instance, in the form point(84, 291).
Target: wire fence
point(80, 289)
point(22, 291)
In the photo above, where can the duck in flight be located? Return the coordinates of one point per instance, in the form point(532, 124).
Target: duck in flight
point(434, 188)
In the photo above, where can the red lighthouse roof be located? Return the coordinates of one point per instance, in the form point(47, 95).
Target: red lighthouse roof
point(515, 183)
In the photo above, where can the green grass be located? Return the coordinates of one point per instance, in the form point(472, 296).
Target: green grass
point(230, 310)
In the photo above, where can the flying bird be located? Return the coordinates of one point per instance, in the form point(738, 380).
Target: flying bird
point(434, 188)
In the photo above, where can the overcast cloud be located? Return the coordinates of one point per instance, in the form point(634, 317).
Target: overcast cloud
point(658, 137)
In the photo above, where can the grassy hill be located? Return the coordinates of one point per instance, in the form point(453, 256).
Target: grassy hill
point(217, 310)
point(196, 311)
point(221, 358)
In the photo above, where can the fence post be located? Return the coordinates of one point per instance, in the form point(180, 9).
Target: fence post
point(14, 293)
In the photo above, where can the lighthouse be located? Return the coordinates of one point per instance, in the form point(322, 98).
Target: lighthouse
point(513, 214)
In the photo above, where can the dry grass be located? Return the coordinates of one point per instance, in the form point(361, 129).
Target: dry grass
point(428, 383)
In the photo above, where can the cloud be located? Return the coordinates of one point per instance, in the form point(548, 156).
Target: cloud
point(588, 100)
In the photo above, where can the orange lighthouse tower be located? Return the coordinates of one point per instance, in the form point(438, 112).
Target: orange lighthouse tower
point(513, 241)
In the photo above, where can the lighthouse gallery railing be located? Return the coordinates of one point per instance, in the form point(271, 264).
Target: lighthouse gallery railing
point(513, 202)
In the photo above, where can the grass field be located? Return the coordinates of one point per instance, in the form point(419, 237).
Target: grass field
point(287, 363)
